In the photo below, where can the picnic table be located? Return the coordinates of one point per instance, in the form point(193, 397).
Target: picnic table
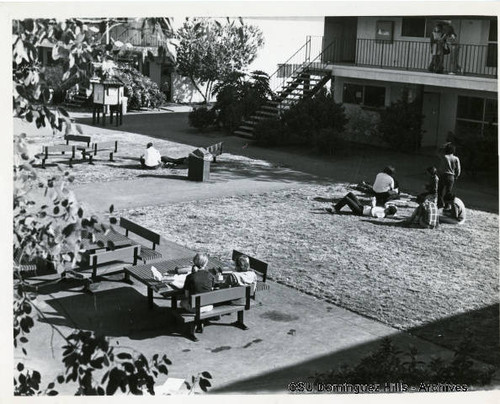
point(143, 274)
point(109, 240)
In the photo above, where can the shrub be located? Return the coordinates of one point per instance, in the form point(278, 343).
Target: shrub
point(304, 120)
point(325, 140)
point(390, 364)
point(401, 125)
point(362, 126)
point(239, 97)
point(269, 132)
point(141, 91)
point(202, 118)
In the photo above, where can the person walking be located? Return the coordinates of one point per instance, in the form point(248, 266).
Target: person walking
point(450, 170)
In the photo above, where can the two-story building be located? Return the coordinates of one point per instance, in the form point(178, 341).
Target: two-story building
point(372, 59)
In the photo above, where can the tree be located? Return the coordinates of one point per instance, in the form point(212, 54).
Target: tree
point(209, 51)
point(49, 224)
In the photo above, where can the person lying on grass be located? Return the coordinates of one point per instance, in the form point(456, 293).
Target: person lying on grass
point(200, 152)
point(431, 188)
point(243, 275)
point(363, 210)
point(457, 213)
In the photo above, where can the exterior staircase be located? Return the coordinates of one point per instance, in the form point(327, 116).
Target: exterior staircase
point(304, 82)
point(76, 100)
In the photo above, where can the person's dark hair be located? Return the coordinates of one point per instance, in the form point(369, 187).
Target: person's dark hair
point(149, 145)
point(389, 170)
point(439, 25)
point(449, 197)
point(391, 210)
point(432, 170)
point(449, 149)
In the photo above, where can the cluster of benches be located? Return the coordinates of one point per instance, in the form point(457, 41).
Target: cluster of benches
point(84, 146)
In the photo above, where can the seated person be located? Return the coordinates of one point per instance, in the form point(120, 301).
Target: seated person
point(198, 281)
point(457, 213)
point(243, 275)
point(425, 215)
point(363, 210)
point(152, 158)
point(384, 186)
point(431, 188)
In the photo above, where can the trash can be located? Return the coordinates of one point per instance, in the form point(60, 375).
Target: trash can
point(124, 105)
point(199, 165)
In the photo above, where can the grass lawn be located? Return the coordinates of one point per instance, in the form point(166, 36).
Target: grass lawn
point(430, 282)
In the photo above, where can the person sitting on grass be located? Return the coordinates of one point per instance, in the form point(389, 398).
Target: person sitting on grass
point(198, 281)
point(425, 216)
point(431, 188)
point(151, 159)
point(363, 210)
point(385, 187)
point(243, 275)
point(457, 213)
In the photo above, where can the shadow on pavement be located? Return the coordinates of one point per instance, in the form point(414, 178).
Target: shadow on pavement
point(482, 323)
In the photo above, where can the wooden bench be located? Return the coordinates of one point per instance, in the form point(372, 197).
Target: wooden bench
point(215, 150)
point(86, 150)
point(125, 254)
point(58, 150)
point(101, 146)
point(258, 266)
point(222, 301)
point(147, 254)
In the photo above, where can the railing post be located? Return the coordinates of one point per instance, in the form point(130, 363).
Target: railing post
point(308, 49)
point(465, 60)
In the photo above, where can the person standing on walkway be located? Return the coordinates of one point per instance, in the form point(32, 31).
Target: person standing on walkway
point(450, 170)
point(384, 186)
point(438, 39)
point(152, 158)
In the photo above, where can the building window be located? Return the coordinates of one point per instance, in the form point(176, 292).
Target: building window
point(491, 60)
point(414, 27)
point(476, 116)
point(367, 96)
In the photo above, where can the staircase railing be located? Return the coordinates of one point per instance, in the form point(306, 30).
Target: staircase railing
point(301, 56)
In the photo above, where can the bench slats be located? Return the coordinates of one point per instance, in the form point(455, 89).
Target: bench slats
point(58, 149)
point(219, 296)
point(187, 317)
point(126, 253)
point(78, 138)
point(147, 254)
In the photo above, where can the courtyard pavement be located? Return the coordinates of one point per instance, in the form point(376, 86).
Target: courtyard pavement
point(291, 335)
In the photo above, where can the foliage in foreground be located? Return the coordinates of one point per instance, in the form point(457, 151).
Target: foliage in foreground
point(49, 225)
point(388, 363)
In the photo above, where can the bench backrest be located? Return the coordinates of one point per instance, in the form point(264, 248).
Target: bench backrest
point(78, 138)
point(120, 254)
point(221, 296)
point(140, 231)
point(58, 149)
point(257, 265)
point(106, 146)
point(215, 149)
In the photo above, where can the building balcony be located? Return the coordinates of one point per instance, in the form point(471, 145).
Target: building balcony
point(408, 61)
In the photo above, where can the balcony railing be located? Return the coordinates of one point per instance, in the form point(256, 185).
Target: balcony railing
point(473, 60)
point(139, 37)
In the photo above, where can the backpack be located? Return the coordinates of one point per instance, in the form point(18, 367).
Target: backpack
point(429, 218)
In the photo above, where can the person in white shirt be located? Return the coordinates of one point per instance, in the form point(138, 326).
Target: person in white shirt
point(152, 158)
point(384, 185)
point(457, 213)
point(363, 210)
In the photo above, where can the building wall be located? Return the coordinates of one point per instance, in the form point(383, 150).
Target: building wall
point(447, 107)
